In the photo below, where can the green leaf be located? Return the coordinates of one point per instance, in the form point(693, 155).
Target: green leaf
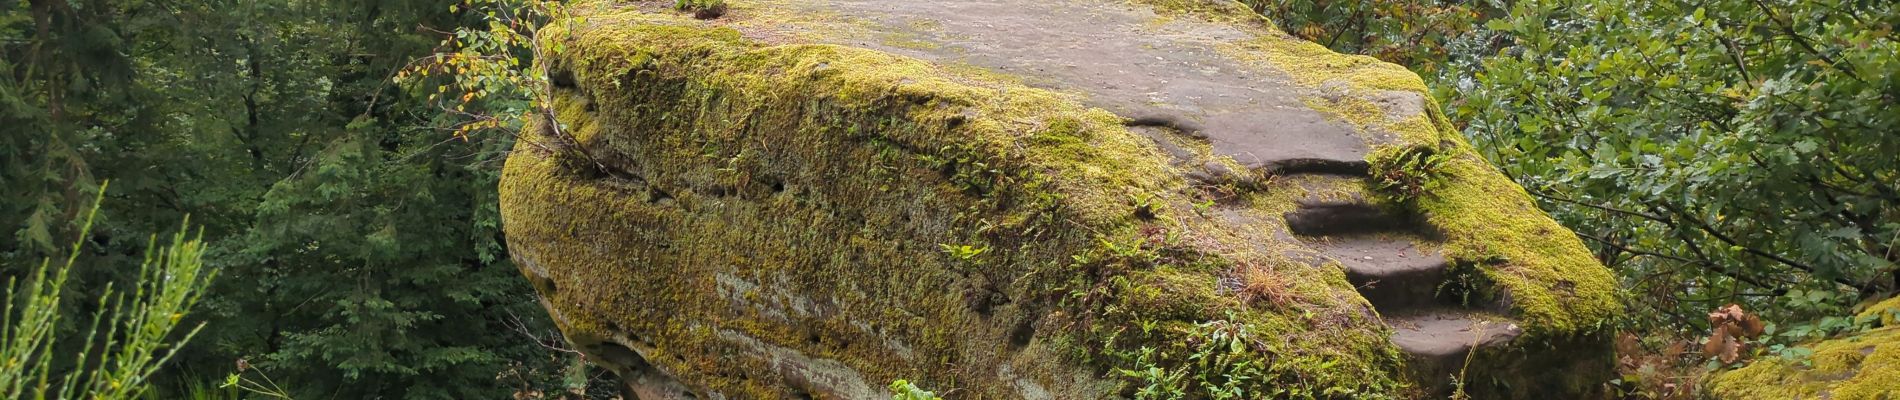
point(1805, 146)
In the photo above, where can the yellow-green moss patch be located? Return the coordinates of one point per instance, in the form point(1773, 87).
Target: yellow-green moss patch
point(1864, 366)
point(1886, 312)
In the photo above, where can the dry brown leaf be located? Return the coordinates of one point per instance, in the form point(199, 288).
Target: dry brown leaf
point(1675, 349)
point(1753, 326)
point(1731, 350)
point(1714, 346)
point(1731, 325)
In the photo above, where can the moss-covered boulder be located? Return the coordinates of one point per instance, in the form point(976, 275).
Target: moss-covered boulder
point(1049, 199)
point(1859, 366)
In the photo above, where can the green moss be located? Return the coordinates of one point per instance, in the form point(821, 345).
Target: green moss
point(1544, 270)
point(1859, 366)
point(1887, 312)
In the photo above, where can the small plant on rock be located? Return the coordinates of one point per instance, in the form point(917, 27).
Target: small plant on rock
point(904, 390)
point(1155, 382)
point(964, 251)
point(1147, 206)
point(1408, 173)
point(702, 9)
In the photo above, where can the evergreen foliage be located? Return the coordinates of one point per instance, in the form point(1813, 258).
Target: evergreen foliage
point(358, 235)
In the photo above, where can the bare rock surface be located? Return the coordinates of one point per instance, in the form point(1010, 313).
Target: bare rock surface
point(1441, 340)
point(1149, 67)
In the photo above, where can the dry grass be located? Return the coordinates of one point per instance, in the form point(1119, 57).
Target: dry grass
point(1260, 284)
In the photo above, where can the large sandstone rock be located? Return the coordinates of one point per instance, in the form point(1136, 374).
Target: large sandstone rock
point(1062, 199)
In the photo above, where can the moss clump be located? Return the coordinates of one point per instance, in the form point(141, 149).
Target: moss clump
point(1884, 312)
point(1864, 366)
point(1543, 271)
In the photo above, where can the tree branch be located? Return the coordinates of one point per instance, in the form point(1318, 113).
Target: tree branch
point(1603, 208)
point(1724, 238)
point(1704, 263)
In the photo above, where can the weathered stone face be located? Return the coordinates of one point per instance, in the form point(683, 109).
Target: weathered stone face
point(810, 198)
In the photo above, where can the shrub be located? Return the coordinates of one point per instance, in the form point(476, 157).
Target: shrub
point(1714, 151)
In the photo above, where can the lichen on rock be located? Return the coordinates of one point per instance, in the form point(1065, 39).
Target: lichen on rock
point(804, 199)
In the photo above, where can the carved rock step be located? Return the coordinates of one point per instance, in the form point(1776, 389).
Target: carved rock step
point(1318, 166)
point(1439, 340)
point(1392, 272)
point(1334, 218)
point(1391, 259)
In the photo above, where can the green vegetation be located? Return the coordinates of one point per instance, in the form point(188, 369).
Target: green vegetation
point(1407, 173)
point(129, 336)
point(1729, 150)
point(963, 252)
point(904, 390)
point(1420, 34)
point(355, 231)
point(1223, 366)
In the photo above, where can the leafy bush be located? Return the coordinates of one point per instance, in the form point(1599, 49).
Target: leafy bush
point(1419, 34)
point(1713, 151)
